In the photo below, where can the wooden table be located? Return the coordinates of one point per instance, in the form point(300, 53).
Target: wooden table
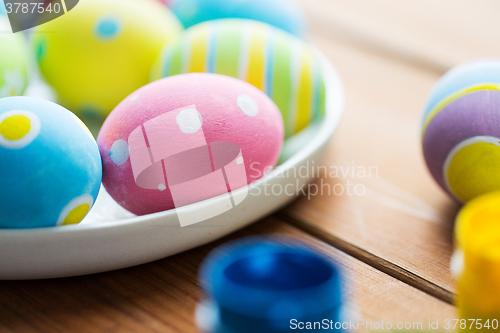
point(394, 241)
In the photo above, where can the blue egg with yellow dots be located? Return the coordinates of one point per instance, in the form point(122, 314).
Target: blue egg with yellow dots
point(50, 166)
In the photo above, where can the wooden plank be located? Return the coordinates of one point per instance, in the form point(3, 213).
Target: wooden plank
point(402, 216)
point(161, 296)
point(433, 34)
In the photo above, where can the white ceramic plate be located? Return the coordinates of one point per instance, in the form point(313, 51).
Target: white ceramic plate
point(111, 238)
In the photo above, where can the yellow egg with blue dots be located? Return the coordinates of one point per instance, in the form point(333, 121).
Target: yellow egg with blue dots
point(102, 50)
point(286, 68)
point(50, 166)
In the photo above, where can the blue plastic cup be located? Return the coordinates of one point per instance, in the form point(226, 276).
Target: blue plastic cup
point(258, 285)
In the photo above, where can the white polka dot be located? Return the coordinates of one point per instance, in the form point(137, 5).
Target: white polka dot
point(162, 187)
point(134, 97)
point(239, 160)
point(119, 152)
point(34, 130)
point(189, 121)
point(247, 105)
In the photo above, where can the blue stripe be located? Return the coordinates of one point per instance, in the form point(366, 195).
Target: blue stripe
point(270, 64)
point(461, 77)
point(212, 49)
point(317, 91)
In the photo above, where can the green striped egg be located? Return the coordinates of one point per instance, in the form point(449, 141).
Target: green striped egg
point(280, 64)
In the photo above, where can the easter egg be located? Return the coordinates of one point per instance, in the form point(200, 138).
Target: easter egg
point(284, 67)
point(283, 14)
point(461, 130)
point(13, 73)
point(102, 50)
point(50, 167)
point(187, 138)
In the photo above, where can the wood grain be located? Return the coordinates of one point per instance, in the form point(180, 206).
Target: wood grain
point(433, 35)
point(393, 242)
point(373, 260)
point(402, 216)
point(161, 296)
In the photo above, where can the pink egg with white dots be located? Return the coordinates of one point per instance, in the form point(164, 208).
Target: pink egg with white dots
point(188, 138)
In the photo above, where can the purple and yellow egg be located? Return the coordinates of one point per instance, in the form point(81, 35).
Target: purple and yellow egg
point(461, 130)
point(50, 167)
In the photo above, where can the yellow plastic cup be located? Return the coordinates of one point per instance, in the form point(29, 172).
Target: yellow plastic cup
point(477, 263)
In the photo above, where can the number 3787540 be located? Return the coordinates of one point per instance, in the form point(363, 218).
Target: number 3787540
point(34, 7)
point(471, 324)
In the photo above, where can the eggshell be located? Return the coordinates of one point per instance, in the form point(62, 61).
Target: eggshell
point(187, 128)
point(50, 167)
point(461, 130)
point(283, 14)
point(284, 67)
point(13, 72)
point(102, 50)
point(165, 2)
